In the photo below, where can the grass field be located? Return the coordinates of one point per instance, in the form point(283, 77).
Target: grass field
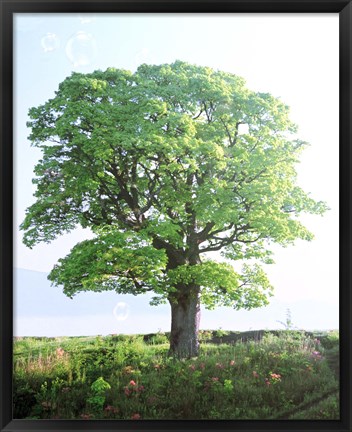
point(280, 375)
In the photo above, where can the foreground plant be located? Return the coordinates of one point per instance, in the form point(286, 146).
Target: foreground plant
point(98, 394)
point(165, 166)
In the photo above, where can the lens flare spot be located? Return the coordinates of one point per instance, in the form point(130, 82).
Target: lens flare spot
point(121, 311)
point(81, 49)
point(50, 42)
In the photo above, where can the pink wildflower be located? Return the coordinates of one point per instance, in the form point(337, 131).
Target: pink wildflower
point(136, 416)
point(255, 374)
point(275, 377)
point(132, 383)
point(215, 379)
point(232, 362)
point(219, 366)
point(111, 409)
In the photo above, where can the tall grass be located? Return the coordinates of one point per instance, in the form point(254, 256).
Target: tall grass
point(127, 377)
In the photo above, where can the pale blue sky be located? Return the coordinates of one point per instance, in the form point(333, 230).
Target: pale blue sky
point(294, 57)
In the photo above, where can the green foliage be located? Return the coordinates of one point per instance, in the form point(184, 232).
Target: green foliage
point(100, 386)
point(220, 332)
point(331, 340)
point(228, 386)
point(279, 377)
point(155, 163)
point(205, 335)
point(121, 261)
point(159, 338)
point(24, 398)
point(98, 394)
point(328, 408)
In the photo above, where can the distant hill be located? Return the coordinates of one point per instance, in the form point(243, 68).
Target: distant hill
point(35, 296)
point(43, 310)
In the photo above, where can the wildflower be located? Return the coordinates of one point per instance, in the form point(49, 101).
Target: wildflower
point(136, 416)
point(316, 355)
point(267, 382)
point(232, 362)
point(215, 379)
point(275, 377)
point(132, 387)
point(255, 374)
point(192, 367)
point(111, 409)
point(219, 366)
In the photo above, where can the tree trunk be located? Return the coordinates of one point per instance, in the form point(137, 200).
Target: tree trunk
point(185, 316)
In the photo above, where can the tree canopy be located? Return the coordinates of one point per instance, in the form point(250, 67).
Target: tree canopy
point(167, 165)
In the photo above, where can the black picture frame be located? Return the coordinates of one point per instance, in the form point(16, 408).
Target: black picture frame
point(10, 7)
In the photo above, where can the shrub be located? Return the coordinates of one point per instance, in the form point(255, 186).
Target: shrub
point(331, 340)
point(98, 395)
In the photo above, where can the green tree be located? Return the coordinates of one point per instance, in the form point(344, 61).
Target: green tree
point(160, 167)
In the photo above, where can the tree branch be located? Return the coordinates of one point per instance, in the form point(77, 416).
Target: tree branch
point(222, 242)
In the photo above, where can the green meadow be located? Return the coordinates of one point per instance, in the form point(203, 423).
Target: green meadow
point(284, 374)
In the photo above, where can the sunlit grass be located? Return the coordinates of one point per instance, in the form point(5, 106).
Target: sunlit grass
point(64, 378)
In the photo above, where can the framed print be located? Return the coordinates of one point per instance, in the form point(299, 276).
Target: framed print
point(175, 215)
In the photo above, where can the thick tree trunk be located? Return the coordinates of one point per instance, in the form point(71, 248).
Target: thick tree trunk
point(185, 301)
point(185, 316)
